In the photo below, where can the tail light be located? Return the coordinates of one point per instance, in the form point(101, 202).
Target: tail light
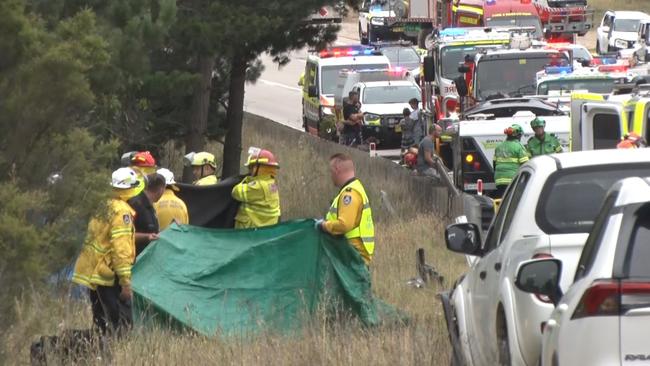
point(472, 162)
point(543, 298)
point(611, 297)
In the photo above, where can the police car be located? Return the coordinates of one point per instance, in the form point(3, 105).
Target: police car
point(382, 103)
point(319, 82)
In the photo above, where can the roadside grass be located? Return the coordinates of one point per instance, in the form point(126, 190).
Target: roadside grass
point(409, 214)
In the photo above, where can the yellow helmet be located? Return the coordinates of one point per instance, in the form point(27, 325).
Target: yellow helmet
point(200, 158)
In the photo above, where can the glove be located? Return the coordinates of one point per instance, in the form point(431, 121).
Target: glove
point(318, 225)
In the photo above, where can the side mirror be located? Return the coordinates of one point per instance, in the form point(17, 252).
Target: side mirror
point(463, 69)
point(429, 69)
point(461, 86)
point(312, 92)
point(301, 81)
point(464, 238)
point(541, 277)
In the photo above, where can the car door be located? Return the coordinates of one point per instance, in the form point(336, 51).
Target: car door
point(484, 288)
point(602, 33)
point(634, 292)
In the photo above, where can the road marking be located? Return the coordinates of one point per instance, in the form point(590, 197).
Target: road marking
point(280, 85)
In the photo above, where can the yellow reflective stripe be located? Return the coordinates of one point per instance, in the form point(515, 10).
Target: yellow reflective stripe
point(587, 96)
point(639, 111)
point(97, 249)
point(523, 160)
point(471, 9)
point(507, 160)
point(503, 181)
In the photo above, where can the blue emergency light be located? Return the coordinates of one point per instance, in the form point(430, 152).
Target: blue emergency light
point(453, 32)
point(490, 2)
point(346, 51)
point(563, 70)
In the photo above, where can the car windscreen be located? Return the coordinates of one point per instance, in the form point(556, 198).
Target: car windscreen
point(451, 56)
point(512, 76)
point(571, 198)
point(402, 56)
point(330, 75)
point(517, 21)
point(566, 86)
point(390, 94)
point(626, 25)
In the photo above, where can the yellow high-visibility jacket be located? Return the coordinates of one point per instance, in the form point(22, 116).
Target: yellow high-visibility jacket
point(170, 208)
point(350, 215)
point(207, 180)
point(260, 202)
point(109, 248)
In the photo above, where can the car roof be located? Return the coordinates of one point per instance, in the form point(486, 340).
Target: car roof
point(624, 14)
point(594, 158)
point(370, 84)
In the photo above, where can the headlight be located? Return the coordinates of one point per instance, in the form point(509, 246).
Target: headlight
point(371, 119)
point(620, 43)
point(377, 21)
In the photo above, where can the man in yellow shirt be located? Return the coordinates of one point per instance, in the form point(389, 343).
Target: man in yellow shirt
point(204, 167)
point(258, 192)
point(169, 207)
point(350, 214)
point(104, 264)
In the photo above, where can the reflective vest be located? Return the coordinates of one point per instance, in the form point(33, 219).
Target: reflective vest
point(549, 145)
point(366, 228)
point(508, 156)
point(207, 180)
point(260, 202)
point(109, 248)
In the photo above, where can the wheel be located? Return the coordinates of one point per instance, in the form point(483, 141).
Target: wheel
point(363, 40)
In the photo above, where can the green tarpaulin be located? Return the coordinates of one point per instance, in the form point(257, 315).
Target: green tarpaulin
point(224, 281)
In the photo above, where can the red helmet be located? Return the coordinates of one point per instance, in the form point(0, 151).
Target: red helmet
point(264, 157)
point(143, 159)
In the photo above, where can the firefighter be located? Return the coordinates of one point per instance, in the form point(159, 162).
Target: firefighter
point(169, 207)
point(542, 143)
point(258, 192)
point(104, 264)
point(204, 168)
point(143, 164)
point(350, 212)
point(631, 141)
point(508, 156)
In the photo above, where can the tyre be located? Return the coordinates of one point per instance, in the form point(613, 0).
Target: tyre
point(363, 40)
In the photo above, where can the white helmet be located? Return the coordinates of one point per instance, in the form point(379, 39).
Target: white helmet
point(124, 178)
point(168, 174)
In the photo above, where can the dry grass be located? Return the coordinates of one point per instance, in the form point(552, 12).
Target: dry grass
point(305, 190)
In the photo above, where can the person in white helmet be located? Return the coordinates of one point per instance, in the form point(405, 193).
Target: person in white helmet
point(105, 262)
point(169, 207)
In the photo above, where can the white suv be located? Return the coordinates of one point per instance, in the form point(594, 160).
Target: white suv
point(604, 318)
point(548, 211)
point(618, 30)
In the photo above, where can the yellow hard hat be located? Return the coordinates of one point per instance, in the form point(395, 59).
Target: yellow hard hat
point(200, 158)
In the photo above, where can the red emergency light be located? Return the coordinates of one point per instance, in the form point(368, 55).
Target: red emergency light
point(613, 68)
point(346, 52)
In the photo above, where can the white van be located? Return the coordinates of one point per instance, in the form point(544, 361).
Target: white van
point(619, 30)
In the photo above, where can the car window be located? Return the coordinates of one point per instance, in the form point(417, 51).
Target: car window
point(571, 198)
point(517, 193)
point(595, 238)
point(491, 241)
point(607, 131)
point(638, 254)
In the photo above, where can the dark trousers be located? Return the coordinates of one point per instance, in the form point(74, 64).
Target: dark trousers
point(110, 314)
point(499, 192)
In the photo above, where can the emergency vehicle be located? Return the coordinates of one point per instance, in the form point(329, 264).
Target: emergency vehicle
point(450, 47)
point(507, 73)
point(319, 81)
point(561, 81)
point(601, 121)
point(473, 140)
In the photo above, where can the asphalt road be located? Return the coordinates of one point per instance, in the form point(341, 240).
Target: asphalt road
point(276, 94)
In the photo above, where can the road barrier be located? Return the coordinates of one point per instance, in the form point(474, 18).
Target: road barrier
point(408, 194)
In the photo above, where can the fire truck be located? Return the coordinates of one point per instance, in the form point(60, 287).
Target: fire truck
point(450, 47)
point(552, 19)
